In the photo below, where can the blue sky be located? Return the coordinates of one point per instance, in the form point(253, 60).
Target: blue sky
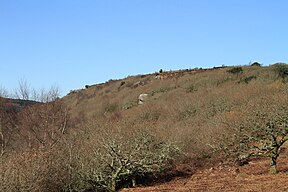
point(71, 43)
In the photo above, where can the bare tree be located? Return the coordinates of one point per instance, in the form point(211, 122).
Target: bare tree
point(268, 135)
point(44, 124)
point(3, 92)
point(26, 92)
point(118, 159)
point(261, 134)
point(45, 96)
point(23, 91)
point(52, 94)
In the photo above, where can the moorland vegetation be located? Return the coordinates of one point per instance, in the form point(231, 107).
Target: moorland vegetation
point(100, 139)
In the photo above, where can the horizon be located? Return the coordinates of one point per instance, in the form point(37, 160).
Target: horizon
point(71, 44)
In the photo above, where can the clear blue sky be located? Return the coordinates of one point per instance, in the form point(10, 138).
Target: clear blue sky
point(71, 43)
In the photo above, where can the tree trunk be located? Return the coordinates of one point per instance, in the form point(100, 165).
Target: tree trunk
point(273, 168)
point(133, 182)
point(113, 185)
point(2, 143)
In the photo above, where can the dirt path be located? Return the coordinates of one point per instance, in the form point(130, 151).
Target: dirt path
point(252, 177)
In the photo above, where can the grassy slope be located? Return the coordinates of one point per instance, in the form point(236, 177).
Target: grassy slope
point(192, 108)
point(188, 109)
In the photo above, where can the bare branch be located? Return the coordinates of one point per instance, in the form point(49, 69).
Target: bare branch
point(23, 91)
point(3, 92)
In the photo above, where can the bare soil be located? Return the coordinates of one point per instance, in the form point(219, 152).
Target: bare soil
point(251, 177)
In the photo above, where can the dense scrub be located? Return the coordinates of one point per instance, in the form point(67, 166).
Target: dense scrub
point(99, 138)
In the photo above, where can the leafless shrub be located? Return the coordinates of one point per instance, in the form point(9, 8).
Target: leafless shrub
point(8, 129)
point(43, 125)
point(121, 161)
point(45, 96)
point(36, 170)
point(25, 92)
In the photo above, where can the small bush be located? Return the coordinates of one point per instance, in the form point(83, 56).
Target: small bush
point(235, 70)
point(218, 106)
point(150, 116)
point(247, 79)
point(129, 105)
point(256, 64)
point(129, 84)
point(282, 70)
point(72, 92)
point(162, 90)
point(191, 88)
point(110, 107)
point(219, 82)
point(190, 111)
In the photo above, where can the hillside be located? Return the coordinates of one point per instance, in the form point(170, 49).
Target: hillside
point(8, 104)
point(190, 107)
point(184, 102)
point(185, 133)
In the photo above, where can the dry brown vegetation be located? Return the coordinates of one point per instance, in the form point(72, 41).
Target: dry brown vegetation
point(247, 178)
point(99, 138)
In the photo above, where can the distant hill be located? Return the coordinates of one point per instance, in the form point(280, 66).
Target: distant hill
point(8, 104)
